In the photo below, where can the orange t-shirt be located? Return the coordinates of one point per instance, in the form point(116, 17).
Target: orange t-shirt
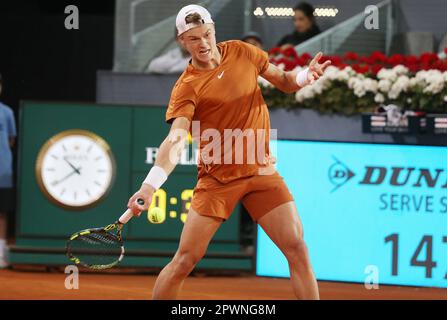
point(226, 98)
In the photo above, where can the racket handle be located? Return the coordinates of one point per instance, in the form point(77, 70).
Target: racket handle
point(126, 216)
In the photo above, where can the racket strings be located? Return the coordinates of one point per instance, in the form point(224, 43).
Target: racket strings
point(97, 238)
point(96, 249)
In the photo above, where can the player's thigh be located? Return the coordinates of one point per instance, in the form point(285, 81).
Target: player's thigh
point(283, 225)
point(265, 193)
point(197, 233)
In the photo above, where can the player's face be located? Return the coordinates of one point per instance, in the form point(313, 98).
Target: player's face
point(200, 42)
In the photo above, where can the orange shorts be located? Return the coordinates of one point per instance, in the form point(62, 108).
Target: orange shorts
point(259, 195)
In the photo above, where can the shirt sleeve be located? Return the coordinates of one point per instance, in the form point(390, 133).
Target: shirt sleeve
point(257, 56)
point(182, 103)
point(11, 124)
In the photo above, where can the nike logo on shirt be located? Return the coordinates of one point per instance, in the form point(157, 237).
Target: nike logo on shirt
point(220, 75)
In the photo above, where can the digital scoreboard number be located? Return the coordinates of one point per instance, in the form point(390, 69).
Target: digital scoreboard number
point(422, 257)
point(367, 210)
point(161, 200)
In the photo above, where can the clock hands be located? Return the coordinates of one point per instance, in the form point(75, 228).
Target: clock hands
point(76, 170)
point(73, 167)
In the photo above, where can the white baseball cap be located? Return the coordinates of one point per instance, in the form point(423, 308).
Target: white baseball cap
point(180, 21)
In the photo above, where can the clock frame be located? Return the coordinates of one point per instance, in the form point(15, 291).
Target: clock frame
point(56, 138)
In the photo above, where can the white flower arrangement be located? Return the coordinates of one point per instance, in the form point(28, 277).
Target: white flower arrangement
point(423, 90)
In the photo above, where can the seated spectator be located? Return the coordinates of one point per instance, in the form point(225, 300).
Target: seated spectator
point(174, 61)
point(253, 38)
point(7, 137)
point(305, 25)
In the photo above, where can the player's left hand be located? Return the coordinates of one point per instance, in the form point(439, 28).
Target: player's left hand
point(316, 69)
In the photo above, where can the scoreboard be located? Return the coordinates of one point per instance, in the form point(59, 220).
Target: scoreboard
point(371, 212)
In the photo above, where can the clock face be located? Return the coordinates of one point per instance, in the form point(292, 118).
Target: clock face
point(75, 169)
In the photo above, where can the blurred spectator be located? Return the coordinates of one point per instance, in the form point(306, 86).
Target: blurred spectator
point(7, 139)
point(253, 38)
point(174, 61)
point(305, 25)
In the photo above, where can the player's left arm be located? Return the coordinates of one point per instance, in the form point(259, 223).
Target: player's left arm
point(292, 81)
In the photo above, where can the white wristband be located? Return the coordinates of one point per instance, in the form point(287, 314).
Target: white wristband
point(156, 177)
point(302, 77)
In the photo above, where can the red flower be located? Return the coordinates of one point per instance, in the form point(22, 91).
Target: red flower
point(324, 59)
point(306, 57)
point(366, 60)
point(425, 66)
point(335, 60)
point(378, 57)
point(376, 68)
point(429, 57)
point(274, 51)
point(300, 62)
point(290, 52)
point(440, 65)
point(288, 64)
point(376, 61)
point(360, 68)
point(410, 60)
point(352, 56)
point(413, 67)
point(396, 59)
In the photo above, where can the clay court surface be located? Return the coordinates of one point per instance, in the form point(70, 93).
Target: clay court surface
point(50, 285)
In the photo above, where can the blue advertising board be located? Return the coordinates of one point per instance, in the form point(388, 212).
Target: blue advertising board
point(366, 208)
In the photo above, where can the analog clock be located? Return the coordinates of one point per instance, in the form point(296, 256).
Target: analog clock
point(75, 169)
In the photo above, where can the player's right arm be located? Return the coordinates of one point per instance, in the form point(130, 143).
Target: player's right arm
point(292, 81)
point(167, 158)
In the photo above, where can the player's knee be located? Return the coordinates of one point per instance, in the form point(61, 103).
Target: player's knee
point(185, 262)
point(296, 251)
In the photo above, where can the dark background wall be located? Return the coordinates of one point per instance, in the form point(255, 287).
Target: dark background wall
point(41, 60)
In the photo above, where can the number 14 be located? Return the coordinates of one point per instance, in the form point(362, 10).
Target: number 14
point(428, 263)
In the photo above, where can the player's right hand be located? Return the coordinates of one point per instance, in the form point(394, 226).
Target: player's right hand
point(146, 193)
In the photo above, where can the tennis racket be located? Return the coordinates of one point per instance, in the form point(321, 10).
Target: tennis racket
point(99, 248)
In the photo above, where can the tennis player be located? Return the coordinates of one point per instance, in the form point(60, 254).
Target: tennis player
point(219, 91)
